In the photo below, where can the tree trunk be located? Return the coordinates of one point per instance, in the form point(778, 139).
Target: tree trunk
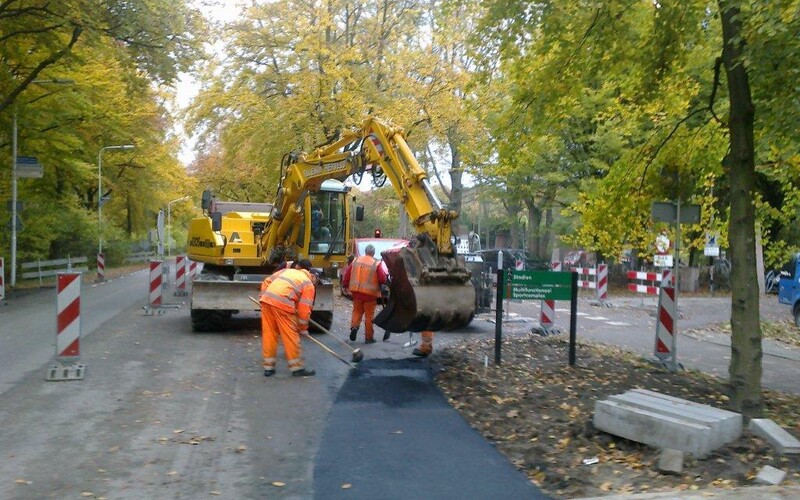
point(456, 184)
point(745, 365)
point(534, 227)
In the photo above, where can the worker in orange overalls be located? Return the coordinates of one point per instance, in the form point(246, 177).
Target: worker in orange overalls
point(364, 278)
point(426, 346)
point(287, 297)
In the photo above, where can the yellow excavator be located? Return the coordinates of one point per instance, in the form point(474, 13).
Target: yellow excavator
point(430, 286)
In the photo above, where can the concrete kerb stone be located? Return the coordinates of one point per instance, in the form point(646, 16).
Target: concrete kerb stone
point(783, 442)
point(653, 428)
point(666, 422)
point(747, 493)
point(770, 475)
point(670, 461)
point(729, 423)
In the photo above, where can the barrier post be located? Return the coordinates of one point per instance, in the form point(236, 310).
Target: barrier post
point(665, 325)
point(547, 315)
point(180, 275)
point(68, 329)
point(2, 281)
point(192, 270)
point(101, 267)
point(154, 297)
point(602, 284)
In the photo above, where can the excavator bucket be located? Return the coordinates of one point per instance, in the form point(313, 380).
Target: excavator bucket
point(427, 292)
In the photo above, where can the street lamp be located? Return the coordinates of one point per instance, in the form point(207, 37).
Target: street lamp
point(14, 180)
point(100, 191)
point(169, 223)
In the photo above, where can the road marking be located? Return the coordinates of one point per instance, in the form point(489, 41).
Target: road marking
point(617, 323)
point(596, 318)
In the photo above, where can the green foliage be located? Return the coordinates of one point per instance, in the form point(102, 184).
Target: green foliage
point(78, 77)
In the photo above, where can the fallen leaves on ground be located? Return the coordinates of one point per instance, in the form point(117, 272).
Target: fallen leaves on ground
point(538, 412)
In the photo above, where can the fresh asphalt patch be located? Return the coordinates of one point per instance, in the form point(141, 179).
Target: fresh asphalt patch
point(392, 435)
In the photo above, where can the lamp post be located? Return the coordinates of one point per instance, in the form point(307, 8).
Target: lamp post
point(169, 223)
point(100, 192)
point(14, 181)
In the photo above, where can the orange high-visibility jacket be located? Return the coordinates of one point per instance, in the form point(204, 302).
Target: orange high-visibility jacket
point(364, 276)
point(291, 290)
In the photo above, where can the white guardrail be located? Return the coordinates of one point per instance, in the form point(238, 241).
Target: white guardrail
point(45, 268)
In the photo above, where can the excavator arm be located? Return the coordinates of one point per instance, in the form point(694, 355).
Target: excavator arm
point(430, 287)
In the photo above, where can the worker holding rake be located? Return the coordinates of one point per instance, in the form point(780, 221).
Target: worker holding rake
point(287, 297)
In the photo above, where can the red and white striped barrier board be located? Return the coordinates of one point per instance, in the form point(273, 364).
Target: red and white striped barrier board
point(649, 285)
point(665, 326)
point(2, 280)
point(101, 267)
point(156, 274)
point(68, 317)
point(585, 273)
point(180, 275)
point(594, 278)
point(547, 316)
point(192, 270)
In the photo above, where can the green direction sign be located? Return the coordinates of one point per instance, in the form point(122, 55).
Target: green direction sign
point(541, 285)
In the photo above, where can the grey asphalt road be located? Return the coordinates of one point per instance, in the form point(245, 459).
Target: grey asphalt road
point(28, 322)
point(167, 413)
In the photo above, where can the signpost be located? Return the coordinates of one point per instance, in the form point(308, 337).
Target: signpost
point(678, 214)
point(538, 285)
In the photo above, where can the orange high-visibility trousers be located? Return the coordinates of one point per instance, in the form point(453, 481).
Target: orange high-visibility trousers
point(365, 308)
point(279, 323)
point(426, 345)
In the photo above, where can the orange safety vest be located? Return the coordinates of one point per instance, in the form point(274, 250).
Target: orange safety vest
point(364, 276)
point(291, 290)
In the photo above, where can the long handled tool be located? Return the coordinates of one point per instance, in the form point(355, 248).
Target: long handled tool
point(323, 346)
point(357, 354)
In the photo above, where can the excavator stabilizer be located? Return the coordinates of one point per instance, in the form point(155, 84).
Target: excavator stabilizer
point(427, 292)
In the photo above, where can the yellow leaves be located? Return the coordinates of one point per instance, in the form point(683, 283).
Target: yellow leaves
point(563, 443)
point(347, 486)
point(22, 481)
point(606, 486)
point(278, 484)
point(512, 414)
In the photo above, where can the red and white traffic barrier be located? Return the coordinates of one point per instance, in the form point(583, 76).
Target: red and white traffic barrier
point(156, 275)
point(647, 283)
point(192, 270)
point(547, 316)
point(2, 280)
point(594, 278)
point(602, 282)
point(101, 267)
point(585, 277)
point(68, 329)
point(180, 275)
point(68, 317)
point(665, 326)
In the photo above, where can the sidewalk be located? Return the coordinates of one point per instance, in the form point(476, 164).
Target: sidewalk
point(392, 434)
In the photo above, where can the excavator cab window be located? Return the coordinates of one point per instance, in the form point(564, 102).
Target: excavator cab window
point(327, 219)
point(360, 213)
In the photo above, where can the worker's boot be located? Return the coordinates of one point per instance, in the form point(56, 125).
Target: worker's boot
point(369, 341)
point(353, 333)
point(420, 353)
point(303, 373)
point(269, 373)
point(386, 336)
